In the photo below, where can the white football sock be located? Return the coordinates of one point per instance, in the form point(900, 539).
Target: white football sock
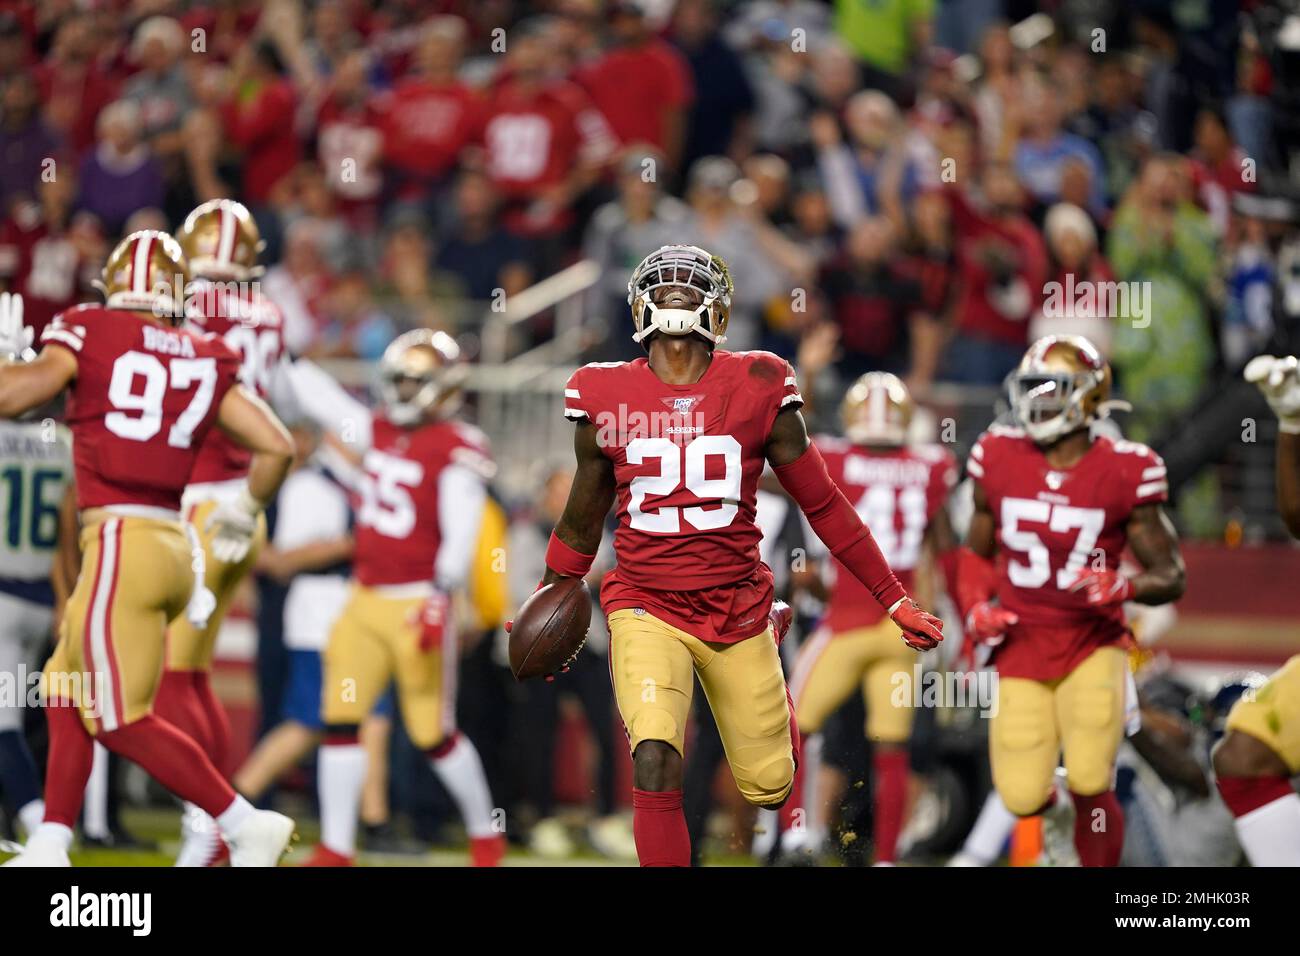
point(52, 834)
point(991, 830)
point(810, 759)
point(230, 818)
point(1270, 834)
point(461, 772)
point(94, 814)
point(341, 773)
point(31, 814)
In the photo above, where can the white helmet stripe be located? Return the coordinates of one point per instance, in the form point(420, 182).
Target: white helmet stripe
point(140, 265)
point(226, 244)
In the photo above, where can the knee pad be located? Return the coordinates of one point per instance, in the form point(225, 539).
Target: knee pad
point(1094, 707)
point(653, 723)
point(770, 784)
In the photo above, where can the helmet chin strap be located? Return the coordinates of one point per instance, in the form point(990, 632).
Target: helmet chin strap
point(677, 321)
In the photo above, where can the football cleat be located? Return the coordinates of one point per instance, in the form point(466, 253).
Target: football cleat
point(261, 839)
point(681, 266)
point(1058, 826)
point(877, 411)
point(221, 241)
point(487, 851)
point(324, 856)
point(41, 850)
point(1060, 386)
point(420, 375)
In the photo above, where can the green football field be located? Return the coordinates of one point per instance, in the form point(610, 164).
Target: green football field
point(162, 827)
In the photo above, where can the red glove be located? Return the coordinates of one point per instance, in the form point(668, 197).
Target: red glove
point(1105, 588)
point(987, 623)
point(780, 617)
point(434, 621)
point(922, 631)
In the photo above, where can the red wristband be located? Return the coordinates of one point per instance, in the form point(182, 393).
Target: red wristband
point(564, 560)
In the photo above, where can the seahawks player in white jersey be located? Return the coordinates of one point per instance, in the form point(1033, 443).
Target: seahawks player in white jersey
point(35, 467)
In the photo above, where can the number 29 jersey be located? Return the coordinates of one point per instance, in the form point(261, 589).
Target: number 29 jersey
point(687, 460)
point(1051, 524)
point(144, 398)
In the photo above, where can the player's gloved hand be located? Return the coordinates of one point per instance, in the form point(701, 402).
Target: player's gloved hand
point(15, 338)
point(232, 525)
point(780, 617)
point(922, 631)
point(1105, 588)
point(1277, 378)
point(987, 623)
point(434, 620)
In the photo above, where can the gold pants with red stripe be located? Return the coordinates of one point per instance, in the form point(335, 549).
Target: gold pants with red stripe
point(190, 648)
point(831, 666)
point(1271, 714)
point(136, 576)
point(653, 666)
point(376, 642)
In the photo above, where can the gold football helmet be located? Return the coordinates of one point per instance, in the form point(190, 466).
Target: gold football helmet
point(221, 241)
point(420, 375)
point(877, 410)
point(147, 272)
point(1061, 385)
point(681, 266)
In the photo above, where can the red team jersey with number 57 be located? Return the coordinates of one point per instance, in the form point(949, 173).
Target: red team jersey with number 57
point(143, 401)
point(398, 530)
point(1051, 524)
point(687, 459)
point(896, 491)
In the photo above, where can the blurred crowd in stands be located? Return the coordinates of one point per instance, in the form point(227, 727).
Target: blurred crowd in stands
point(895, 185)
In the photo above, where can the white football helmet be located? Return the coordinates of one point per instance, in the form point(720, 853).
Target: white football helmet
point(681, 266)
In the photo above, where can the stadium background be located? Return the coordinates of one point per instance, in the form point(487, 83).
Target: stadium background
point(894, 184)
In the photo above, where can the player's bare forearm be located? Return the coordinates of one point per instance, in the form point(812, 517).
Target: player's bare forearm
point(250, 422)
point(939, 535)
point(67, 556)
point(981, 536)
point(1288, 480)
point(788, 439)
point(590, 497)
point(1154, 541)
point(28, 385)
point(1173, 762)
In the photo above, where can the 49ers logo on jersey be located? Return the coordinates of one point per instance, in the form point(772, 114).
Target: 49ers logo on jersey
point(678, 423)
point(386, 501)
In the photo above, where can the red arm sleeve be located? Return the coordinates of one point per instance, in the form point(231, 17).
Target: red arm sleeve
point(838, 525)
point(977, 580)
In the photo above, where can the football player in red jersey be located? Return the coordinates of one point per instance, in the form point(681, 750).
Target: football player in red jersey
point(221, 243)
point(423, 491)
point(142, 397)
point(899, 490)
point(1040, 579)
point(1260, 752)
point(679, 439)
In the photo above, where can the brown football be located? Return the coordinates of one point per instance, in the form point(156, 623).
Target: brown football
point(550, 629)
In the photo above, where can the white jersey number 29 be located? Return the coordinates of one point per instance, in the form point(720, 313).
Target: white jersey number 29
point(675, 459)
point(1059, 518)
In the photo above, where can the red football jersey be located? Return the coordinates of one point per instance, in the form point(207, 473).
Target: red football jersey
point(252, 327)
point(896, 492)
point(143, 401)
point(44, 264)
point(398, 531)
point(1051, 524)
point(687, 459)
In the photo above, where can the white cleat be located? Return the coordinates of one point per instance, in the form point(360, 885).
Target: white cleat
point(261, 839)
point(965, 859)
point(200, 839)
point(40, 852)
